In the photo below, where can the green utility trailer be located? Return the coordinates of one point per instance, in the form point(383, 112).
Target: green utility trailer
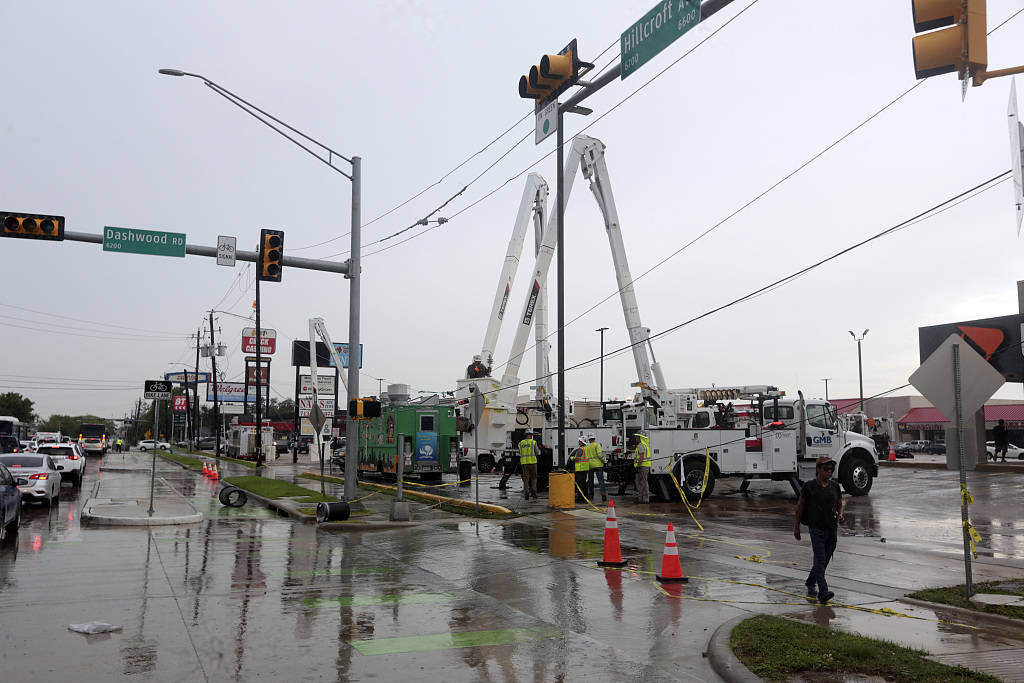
point(424, 435)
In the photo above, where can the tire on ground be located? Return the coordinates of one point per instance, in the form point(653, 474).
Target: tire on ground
point(693, 476)
point(232, 496)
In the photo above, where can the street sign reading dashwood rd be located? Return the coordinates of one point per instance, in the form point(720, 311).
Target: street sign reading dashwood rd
point(134, 241)
point(655, 31)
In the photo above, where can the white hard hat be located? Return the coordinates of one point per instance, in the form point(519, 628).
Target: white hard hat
point(582, 440)
point(591, 437)
point(478, 357)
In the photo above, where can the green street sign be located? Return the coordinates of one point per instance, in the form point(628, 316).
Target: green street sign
point(134, 241)
point(655, 31)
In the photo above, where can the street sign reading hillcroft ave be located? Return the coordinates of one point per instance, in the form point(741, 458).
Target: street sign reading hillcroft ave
point(134, 241)
point(655, 31)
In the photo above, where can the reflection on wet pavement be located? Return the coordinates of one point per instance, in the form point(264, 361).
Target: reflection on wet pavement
point(246, 595)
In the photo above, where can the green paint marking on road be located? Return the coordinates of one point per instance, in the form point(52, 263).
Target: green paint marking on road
point(365, 600)
point(450, 641)
point(342, 571)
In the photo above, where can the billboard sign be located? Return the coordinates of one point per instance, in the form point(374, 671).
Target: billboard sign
point(189, 377)
point(998, 340)
point(325, 384)
point(180, 404)
point(251, 374)
point(268, 340)
point(230, 392)
point(300, 354)
point(306, 406)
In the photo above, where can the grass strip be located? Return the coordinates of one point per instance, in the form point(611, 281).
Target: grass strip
point(957, 596)
point(186, 460)
point(776, 649)
point(412, 495)
point(275, 488)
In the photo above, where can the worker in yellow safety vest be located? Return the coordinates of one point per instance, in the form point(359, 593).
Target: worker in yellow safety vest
point(595, 461)
point(528, 461)
point(582, 465)
point(642, 461)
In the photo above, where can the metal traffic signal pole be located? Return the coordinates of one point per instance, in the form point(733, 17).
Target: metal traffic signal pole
point(259, 378)
point(355, 358)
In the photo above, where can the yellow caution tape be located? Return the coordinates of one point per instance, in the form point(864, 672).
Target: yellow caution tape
point(592, 506)
point(435, 486)
point(973, 536)
point(965, 496)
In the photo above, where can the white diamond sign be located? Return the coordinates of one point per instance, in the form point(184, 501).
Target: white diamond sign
point(978, 379)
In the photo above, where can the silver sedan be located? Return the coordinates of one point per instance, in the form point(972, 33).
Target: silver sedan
point(37, 476)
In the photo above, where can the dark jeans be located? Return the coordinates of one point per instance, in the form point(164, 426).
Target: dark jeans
point(599, 473)
point(823, 543)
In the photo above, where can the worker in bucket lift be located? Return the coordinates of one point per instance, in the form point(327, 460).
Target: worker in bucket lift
point(477, 369)
point(582, 466)
point(528, 449)
point(595, 459)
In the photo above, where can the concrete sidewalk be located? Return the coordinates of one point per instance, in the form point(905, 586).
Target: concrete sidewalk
point(121, 496)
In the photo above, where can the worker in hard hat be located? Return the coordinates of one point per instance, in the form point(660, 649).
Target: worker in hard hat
point(477, 369)
point(582, 466)
point(528, 450)
point(642, 460)
point(595, 460)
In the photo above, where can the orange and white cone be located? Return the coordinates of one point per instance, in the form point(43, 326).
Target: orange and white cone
point(892, 453)
point(671, 569)
point(213, 472)
point(612, 556)
point(206, 468)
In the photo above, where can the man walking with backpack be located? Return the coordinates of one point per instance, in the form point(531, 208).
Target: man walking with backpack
point(821, 509)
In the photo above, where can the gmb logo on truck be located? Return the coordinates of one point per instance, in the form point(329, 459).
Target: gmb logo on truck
point(824, 440)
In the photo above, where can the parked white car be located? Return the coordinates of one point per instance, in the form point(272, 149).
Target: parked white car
point(37, 476)
point(69, 458)
point(1012, 452)
point(150, 444)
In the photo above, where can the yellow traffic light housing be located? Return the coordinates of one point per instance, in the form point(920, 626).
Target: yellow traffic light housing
point(553, 76)
point(271, 255)
point(962, 46)
point(31, 226)
point(364, 408)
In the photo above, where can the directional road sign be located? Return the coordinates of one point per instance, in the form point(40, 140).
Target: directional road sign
point(978, 379)
point(547, 121)
point(134, 241)
point(156, 389)
point(317, 418)
point(655, 31)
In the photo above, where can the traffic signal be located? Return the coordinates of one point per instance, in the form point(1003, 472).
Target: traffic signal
point(962, 46)
point(271, 255)
point(32, 226)
point(553, 76)
point(364, 408)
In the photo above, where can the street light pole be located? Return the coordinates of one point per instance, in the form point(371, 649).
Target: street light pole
point(860, 365)
point(353, 265)
point(825, 380)
point(601, 330)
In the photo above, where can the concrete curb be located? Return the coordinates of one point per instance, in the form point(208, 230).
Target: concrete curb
point(963, 612)
point(982, 467)
point(721, 657)
point(139, 521)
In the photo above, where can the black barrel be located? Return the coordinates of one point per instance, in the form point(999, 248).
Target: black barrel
point(465, 472)
point(332, 512)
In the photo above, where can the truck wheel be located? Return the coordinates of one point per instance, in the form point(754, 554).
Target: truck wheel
point(855, 476)
point(693, 476)
point(485, 463)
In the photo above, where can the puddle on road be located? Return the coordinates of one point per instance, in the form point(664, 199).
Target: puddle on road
point(449, 641)
point(368, 600)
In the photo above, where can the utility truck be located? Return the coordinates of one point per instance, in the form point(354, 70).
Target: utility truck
point(771, 437)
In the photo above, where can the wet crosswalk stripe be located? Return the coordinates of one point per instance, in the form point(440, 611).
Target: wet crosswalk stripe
point(449, 641)
point(365, 600)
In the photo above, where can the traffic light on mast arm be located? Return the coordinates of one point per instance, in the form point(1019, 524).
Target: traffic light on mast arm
point(553, 76)
point(271, 255)
point(959, 44)
point(364, 408)
point(31, 226)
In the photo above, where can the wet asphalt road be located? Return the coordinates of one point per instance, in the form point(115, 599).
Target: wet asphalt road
point(246, 595)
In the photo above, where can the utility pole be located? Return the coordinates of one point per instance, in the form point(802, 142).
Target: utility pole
point(602, 331)
point(860, 365)
point(195, 394)
point(259, 379)
point(216, 403)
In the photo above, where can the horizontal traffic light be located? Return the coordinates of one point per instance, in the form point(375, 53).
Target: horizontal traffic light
point(960, 43)
point(271, 255)
point(552, 76)
point(31, 226)
point(364, 408)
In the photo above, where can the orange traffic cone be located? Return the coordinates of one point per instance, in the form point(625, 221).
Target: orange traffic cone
point(213, 472)
point(206, 468)
point(892, 453)
point(612, 556)
point(671, 569)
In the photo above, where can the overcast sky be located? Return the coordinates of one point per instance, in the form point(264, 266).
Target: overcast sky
point(92, 132)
